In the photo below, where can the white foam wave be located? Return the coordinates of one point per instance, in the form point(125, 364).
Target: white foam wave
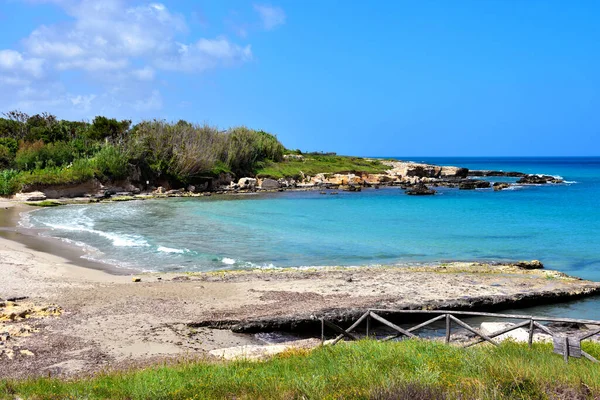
point(570, 182)
point(228, 261)
point(25, 220)
point(171, 250)
point(117, 239)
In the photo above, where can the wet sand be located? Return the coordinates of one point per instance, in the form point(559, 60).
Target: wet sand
point(69, 319)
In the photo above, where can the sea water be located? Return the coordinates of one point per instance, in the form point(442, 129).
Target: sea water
point(558, 224)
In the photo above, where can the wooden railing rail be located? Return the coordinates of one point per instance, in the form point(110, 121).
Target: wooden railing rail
point(568, 346)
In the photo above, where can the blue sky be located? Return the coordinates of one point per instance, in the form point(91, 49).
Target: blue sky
point(406, 78)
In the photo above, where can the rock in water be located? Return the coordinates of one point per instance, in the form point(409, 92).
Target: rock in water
point(533, 264)
point(473, 184)
point(420, 190)
point(500, 185)
point(539, 179)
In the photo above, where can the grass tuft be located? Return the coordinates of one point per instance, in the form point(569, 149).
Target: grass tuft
point(414, 369)
point(44, 203)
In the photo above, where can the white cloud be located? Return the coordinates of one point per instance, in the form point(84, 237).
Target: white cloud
point(271, 17)
point(144, 74)
point(206, 54)
point(12, 61)
point(114, 44)
point(93, 64)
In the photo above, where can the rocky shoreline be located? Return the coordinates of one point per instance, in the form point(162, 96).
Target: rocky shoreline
point(414, 178)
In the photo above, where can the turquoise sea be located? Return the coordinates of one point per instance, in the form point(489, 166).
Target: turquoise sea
point(557, 224)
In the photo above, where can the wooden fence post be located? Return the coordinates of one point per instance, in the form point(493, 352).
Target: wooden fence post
point(448, 328)
point(531, 328)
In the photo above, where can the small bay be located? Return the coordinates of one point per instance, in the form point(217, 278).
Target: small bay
point(557, 224)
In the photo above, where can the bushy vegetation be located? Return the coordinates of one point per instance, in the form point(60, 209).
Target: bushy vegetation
point(411, 369)
point(311, 164)
point(42, 150)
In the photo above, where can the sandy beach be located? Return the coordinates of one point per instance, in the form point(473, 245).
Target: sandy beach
point(64, 318)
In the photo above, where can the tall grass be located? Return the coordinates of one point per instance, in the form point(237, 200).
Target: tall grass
point(185, 150)
point(363, 370)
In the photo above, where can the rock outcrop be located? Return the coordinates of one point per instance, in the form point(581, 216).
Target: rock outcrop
point(500, 186)
point(269, 184)
point(533, 264)
point(31, 196)
point(420, 190)
point(539, 180)
point(247, 184)
point(473, 184)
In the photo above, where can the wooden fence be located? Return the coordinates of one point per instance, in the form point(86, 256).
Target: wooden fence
point(568, 346)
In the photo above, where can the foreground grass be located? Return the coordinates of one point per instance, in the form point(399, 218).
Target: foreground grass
point(365, 370)
point(315, 164)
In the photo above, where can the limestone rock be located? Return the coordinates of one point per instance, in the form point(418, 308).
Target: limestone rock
point(420, 190)
point(298, 157)
point(520, 335)
point(257, 352)
point(500, 186)
point(247, 184)
point(31, 196)
point(269, 184)
point(533, 264)
point(539, 180)
point(473, 184)
point(454, 172)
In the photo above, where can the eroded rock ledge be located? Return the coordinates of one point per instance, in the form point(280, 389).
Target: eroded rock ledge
point(301, 297)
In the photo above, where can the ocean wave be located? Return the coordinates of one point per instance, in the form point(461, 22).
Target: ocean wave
point(25, 220)
point(228, 261)
point(117, 239)
point(171, 250)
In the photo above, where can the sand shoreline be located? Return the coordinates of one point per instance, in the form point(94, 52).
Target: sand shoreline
point(81, 320)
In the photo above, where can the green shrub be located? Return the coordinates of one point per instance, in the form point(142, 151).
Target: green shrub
point(8, 182)
point(112, 162)
point(10, 143)
point(79, 171)
point(103, 127)
point(38, 155)
point(246, 147)
point(6, 157)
